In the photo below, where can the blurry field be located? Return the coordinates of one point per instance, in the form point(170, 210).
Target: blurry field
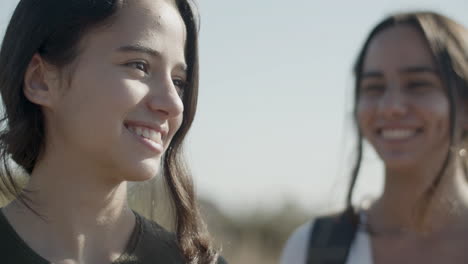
point(255, 238)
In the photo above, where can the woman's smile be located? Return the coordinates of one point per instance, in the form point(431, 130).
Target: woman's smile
point(151, 136)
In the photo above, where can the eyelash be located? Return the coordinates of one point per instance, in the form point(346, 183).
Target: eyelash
point(180, 85)
point(419, 84)
point(372, 88)
point(135, 65)
point(412, 86)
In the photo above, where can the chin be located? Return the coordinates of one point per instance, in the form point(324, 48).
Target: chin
point(399, 163)
point(142, 172)
point(140, 178)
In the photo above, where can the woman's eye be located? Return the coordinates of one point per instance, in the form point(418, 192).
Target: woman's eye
point(372, 89)
point(418, 85)
point(180, 85)
point(141, 66)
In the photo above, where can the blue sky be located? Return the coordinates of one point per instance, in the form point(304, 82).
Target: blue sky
point(273, 123)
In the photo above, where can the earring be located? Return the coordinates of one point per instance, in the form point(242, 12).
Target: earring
point(462, 152)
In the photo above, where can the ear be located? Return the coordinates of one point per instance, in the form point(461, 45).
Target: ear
point(37, 85)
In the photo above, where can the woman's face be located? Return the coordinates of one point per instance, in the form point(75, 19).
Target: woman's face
point(402, 107)
point(122, 106)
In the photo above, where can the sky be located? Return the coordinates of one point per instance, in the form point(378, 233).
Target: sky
point(273, 125)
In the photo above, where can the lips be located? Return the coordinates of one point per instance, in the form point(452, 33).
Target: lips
point(149, 134)
point(146, 133)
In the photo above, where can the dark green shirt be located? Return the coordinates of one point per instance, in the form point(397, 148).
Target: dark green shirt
point(149, 243)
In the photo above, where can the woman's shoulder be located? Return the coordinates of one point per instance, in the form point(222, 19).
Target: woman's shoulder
point(295, 248)
point(154, 234)
point(154, 231)
point(150, 241)
point(156, 241)
point(339, 229)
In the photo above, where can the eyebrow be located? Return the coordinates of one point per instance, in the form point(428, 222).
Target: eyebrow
point(147, 50)
point(372, 74)
point(419, 69)
point(139, 48)
point(410, 69)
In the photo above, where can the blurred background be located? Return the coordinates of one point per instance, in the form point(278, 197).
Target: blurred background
point(272, 144)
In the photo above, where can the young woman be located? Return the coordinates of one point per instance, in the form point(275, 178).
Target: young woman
point(97, 93)
point(411, 105)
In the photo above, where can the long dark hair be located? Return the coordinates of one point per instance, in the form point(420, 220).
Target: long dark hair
point(53, 29)
point(448, 43)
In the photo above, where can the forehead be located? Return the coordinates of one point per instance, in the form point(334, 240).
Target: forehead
point(396, 48)
point(150, 16)
point(156, 24)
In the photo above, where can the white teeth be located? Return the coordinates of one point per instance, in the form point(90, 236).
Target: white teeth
point(139, 131)
point(397, 133)
point(146, 133)
point(153, 135)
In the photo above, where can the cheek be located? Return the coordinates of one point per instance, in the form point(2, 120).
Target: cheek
point(436, 111)
point(130, 92)
point(364, 112)
point(174, 125)
point(100, 106)
point(108, 86)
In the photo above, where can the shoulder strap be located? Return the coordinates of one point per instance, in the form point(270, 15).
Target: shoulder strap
point(331, 238)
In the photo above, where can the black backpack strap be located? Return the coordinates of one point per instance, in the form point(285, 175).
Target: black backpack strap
point(331, 238)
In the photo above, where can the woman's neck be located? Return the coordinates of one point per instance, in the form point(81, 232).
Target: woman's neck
point(407, 205)
point(83, 215)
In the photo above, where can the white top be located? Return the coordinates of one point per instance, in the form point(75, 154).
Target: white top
point(295, 250)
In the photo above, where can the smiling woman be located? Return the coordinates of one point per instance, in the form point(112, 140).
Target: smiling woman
point(411, 105)
point(99, 93)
